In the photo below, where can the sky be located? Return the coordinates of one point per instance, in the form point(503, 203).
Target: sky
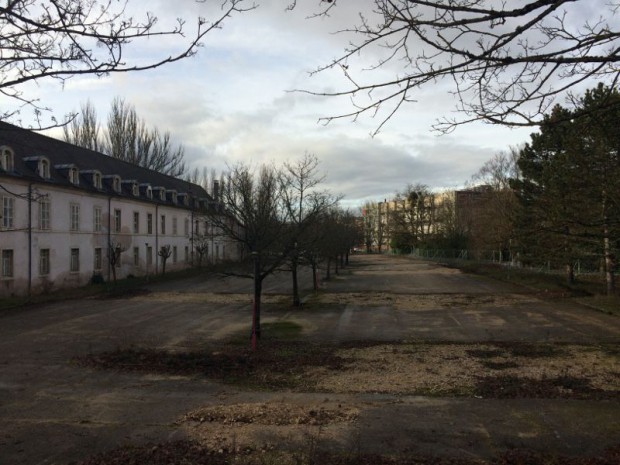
point(235, 101)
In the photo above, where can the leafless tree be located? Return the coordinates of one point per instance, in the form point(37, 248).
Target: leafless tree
point(304, 205)
point(201, 246)
point(164, 253)
point(115, 250)
point(84, 129)
point(412, 217)
point(251, 212)
point(65, 38)
point(127, 137)
point(508, 62)
point(497, 205)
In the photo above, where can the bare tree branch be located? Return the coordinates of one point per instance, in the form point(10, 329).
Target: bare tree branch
point(507, 64)
point(60, 39)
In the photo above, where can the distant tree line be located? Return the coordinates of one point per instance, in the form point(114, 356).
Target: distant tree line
point(553, 201)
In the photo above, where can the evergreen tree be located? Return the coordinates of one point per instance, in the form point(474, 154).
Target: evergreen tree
point(570, 186)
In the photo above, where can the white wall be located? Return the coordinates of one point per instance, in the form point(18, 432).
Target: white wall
point(60, 240)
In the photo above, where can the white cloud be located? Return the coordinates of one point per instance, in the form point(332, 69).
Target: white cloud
point(230, 103)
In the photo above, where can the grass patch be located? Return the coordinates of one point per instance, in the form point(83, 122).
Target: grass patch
point(279, 330)
point(534, 350)
point(491, 365)
point(122, 288)
point(274, 366)
point(563, 387)
point(550, 284)
point(606, 303)
point(290, 364)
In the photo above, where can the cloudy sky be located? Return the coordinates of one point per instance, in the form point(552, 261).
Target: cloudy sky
point(233, 102)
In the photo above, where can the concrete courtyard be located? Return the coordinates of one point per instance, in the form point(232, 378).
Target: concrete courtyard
point(53, 411)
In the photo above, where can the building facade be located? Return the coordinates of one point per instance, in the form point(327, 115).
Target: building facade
point(70, 215)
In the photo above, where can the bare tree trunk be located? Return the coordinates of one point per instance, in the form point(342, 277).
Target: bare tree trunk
point(296, 300)
point(570, 273)
point(258, 290)
point(609, 261)
point(315, 280)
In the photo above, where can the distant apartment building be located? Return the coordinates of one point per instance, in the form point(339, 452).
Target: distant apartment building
point(419, 215)
point(69, 214)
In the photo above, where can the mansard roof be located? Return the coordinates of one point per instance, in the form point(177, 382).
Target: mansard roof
point(29, 145)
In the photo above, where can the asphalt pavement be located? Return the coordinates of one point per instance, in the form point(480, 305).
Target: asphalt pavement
point(53, 411)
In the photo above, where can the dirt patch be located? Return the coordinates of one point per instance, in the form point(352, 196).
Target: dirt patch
point(417, 302)
point(210, 297)
point(482, 370)
point(461, 370)
point(263, 426)
point(190, 452)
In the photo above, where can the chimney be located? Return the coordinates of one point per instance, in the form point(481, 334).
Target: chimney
point(216, 190)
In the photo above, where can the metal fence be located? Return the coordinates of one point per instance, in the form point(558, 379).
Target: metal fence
point(582, 266)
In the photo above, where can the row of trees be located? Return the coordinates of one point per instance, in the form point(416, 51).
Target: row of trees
point(283, 220)
point(126, 136)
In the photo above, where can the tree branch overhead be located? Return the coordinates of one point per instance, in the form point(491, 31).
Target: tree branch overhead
point(508, 63)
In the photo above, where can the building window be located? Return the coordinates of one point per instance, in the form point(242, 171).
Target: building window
point(8, 212)
point(74, 176)
point(149, 223)
point(149, 256)
point(186, 254)
point(117, 220)
point(135, 189)
point(7, 263)
point(136, 256)
point(44, 262)
point(97, 180)
point(75, 217)
point(44, 214)
point(174, 254)
point(44, 168)
point(74, 265)
point(116, 184)
point(136, 222)
point(163, 224)
point(6, 159)
point(174, 226)
point(98, 261)
point(97, 219)
point(149, 192)
point(186, 227)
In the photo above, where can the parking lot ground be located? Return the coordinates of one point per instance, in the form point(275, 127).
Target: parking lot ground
point(54, 411)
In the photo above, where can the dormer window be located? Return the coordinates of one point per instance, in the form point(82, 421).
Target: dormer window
point(146, 190)
point(74, 176)
point(161, 193)
point(97, 180)
point(184, 199)
point(6, 159)
point(135, 190)
point(116, 184)
point(44, 168)
point(173, 196)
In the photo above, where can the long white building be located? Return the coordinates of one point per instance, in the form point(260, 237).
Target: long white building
point(69, 215)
